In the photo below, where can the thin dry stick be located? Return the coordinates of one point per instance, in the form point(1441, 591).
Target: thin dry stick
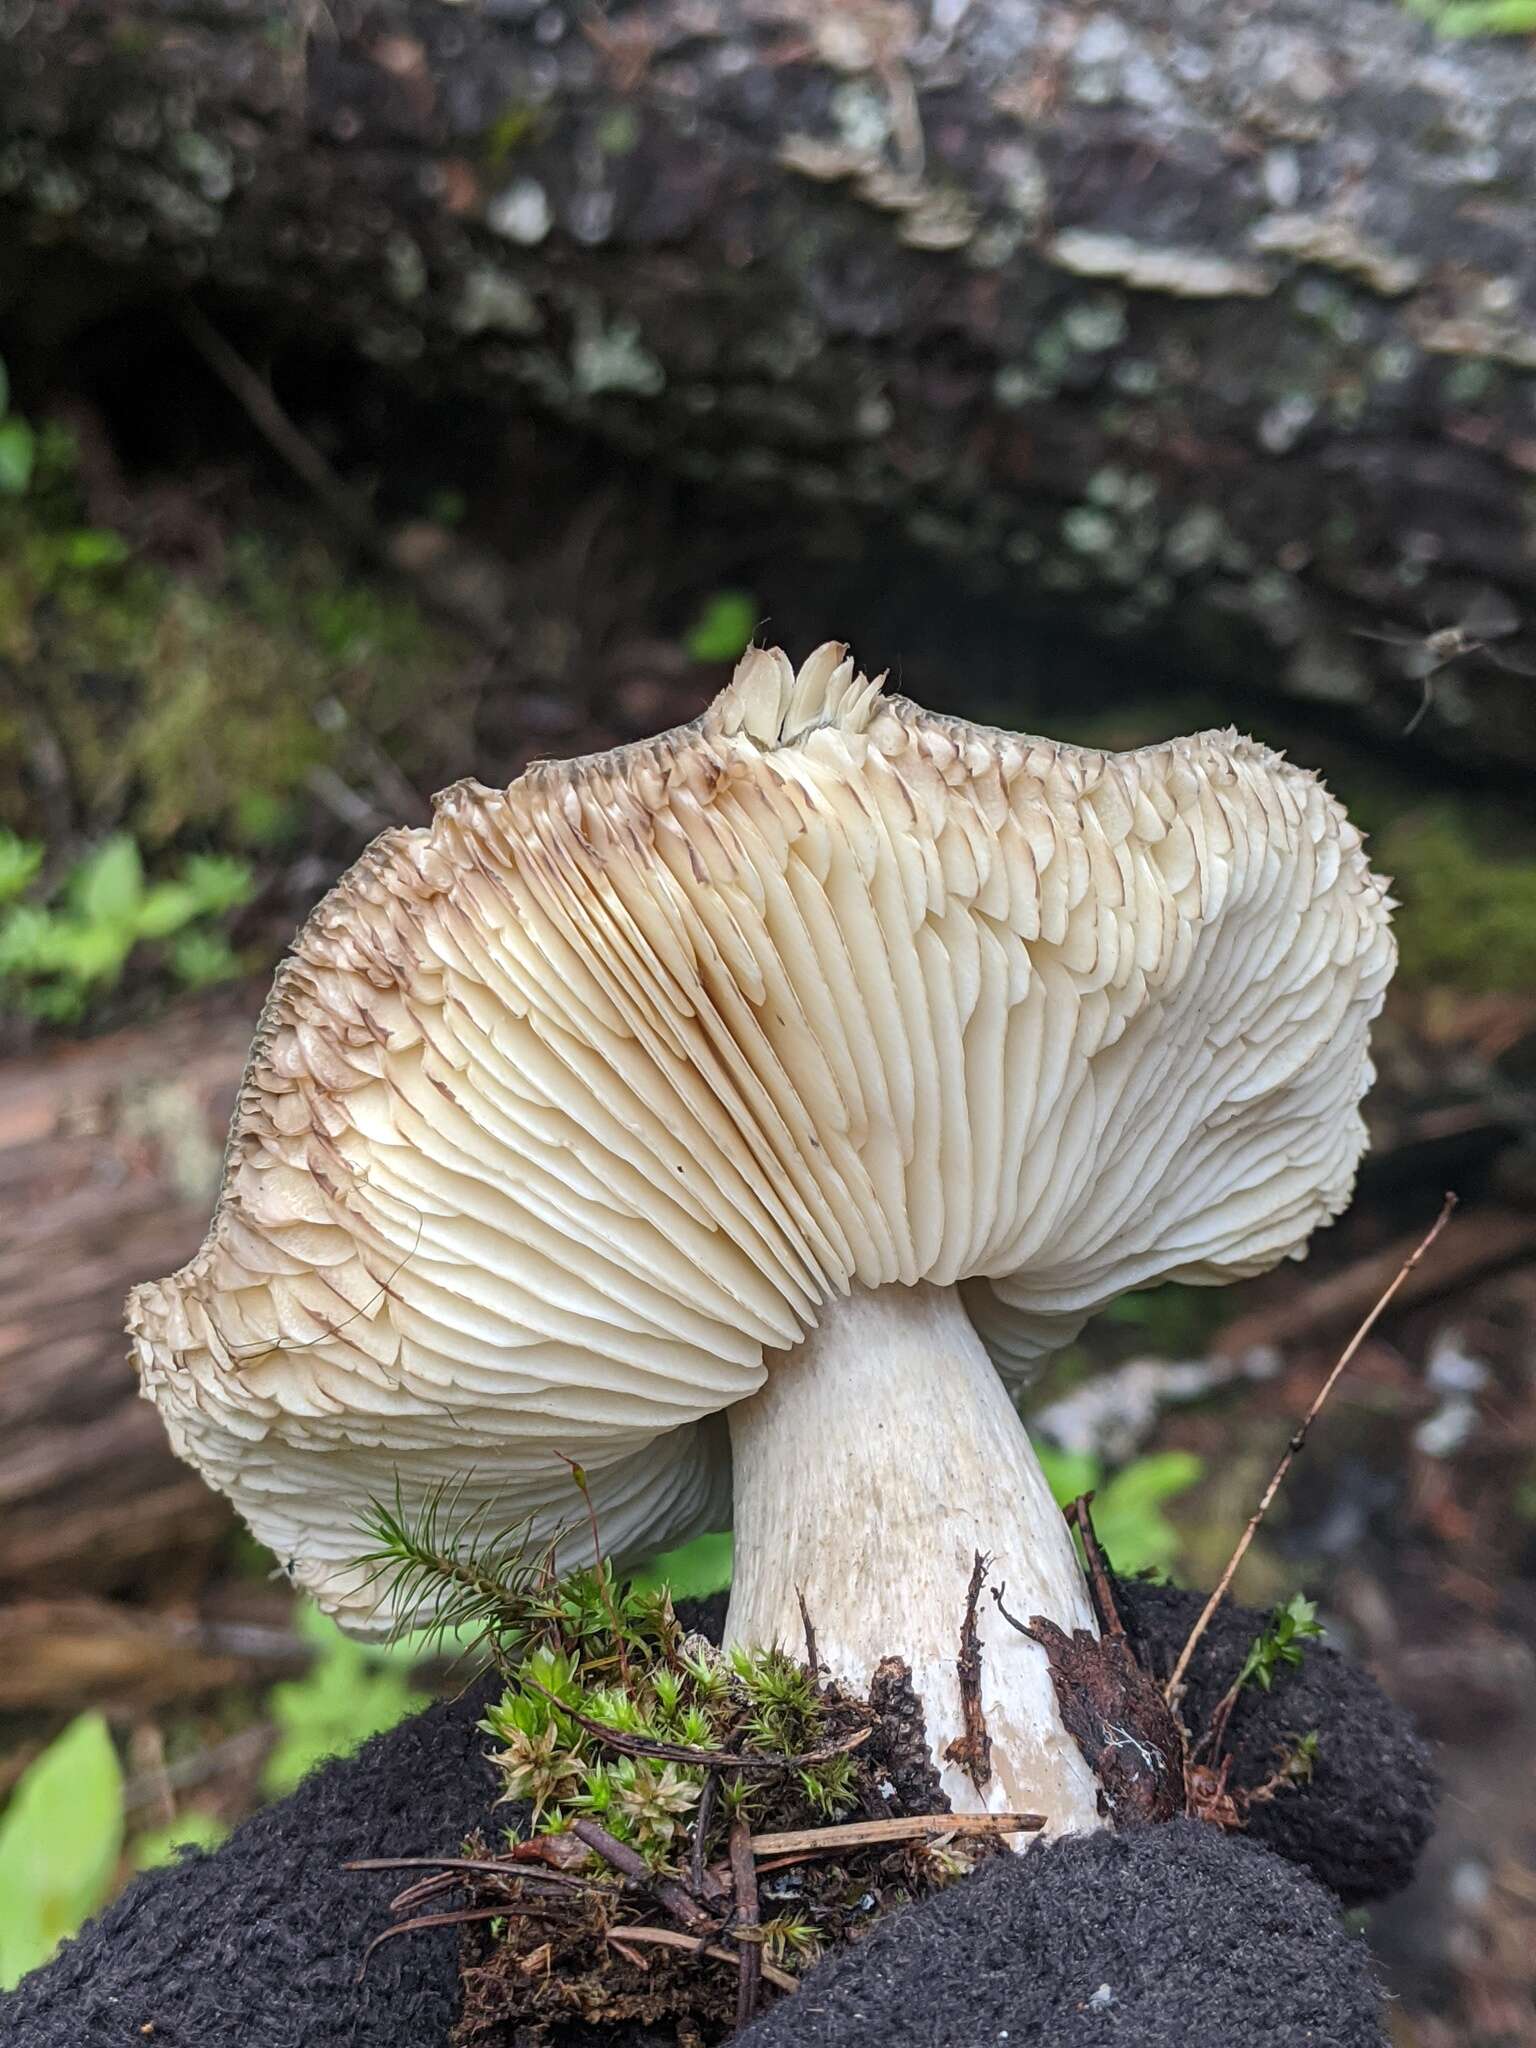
point(458, 1919)
point(1174, 1686)
point(491, 1866)
point(703, 1814)
point(744, 1874)
point(812, 1662)
point(870, 1834)
point(678, 1901)
point(665, 1937)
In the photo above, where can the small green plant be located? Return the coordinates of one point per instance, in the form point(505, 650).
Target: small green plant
point(60, 1839)
point(54, 957)
point(20, 860)
point(1292, 1626)
point(351, 1691)
point(1477, 17)
point(1127, 1508)
point(18, 444)
point(723, 627)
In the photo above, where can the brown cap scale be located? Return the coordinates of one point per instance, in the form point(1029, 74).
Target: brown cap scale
point(754, 1096)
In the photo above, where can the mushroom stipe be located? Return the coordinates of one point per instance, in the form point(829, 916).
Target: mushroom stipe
point(737, 1117)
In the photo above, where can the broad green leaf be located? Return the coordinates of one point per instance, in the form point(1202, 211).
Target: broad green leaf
point(349, 1693)
point(199, 959)
point(60, 1838)
point(87, 953)
point(90, 548)
point(1069, 1473)
point(107, 885)
point(18, 452)
point(693, 1571)
point(20, 860)
point(164, 908)
point(724, 627)
point(193, 1829)
point(218, 882)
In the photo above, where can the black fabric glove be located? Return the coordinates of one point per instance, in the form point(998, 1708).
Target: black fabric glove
point(1177, 1934)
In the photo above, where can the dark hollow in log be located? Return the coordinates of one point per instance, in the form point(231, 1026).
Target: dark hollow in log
point(1215, 325)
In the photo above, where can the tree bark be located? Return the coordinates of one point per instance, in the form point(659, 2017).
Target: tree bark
point(1206, 322)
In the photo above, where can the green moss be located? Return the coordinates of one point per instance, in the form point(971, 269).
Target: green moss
point(1468, 916)
point(184, 707)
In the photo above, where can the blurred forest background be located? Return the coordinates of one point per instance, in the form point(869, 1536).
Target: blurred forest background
point(307, 510)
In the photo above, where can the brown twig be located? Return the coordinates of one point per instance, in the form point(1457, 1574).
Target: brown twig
point(665, 1937)
point(700, 1759)
point(457, 1918)
point(874, 1834)
point(703, 1814)
point(812, 1661)
point(1174, 1686)
point(972, 1751)
point(489, 1866)
point(1101, 1589)
point(676, 1898)
point(744, 1875)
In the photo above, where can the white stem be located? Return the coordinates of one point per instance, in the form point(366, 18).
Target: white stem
point(882, 1454)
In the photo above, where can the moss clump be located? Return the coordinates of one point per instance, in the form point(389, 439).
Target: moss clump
point(1468, 916)
point(174, 705)
point(647, 1765)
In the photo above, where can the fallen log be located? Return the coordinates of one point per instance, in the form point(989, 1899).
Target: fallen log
point(1214, 328)
point(109, 1157)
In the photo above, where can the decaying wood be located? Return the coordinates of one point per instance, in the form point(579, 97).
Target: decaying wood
point(972, 1750)
point(1208, 327)
point(746, 1926)
point(1113, 1709)
point(109, 1156)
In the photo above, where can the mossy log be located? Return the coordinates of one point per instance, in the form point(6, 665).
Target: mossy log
point(1209, 323)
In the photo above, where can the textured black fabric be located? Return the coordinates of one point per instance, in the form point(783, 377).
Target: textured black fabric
point(257, 1945)
point(1156, 1937)
point(1360, 1824)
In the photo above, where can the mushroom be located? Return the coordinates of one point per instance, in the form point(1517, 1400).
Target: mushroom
point(740, 1114)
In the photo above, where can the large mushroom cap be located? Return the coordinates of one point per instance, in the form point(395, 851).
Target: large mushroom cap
point(570, 1110)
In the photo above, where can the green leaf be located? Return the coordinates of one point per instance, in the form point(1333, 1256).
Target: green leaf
point(107, 885)
point(23, 938)
point(1069, 1473)
point(349, 1693)
point(18, 452)
point(60, 1839)
point(1127, 1516)
point(163, 909)
point(193, 1829)
point(691, 1572)
point(90, 548)
point(20, 860)
point(5, 389)
point(724, 627)
point(200, 959)
point(219, 882)
point(88, 953)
